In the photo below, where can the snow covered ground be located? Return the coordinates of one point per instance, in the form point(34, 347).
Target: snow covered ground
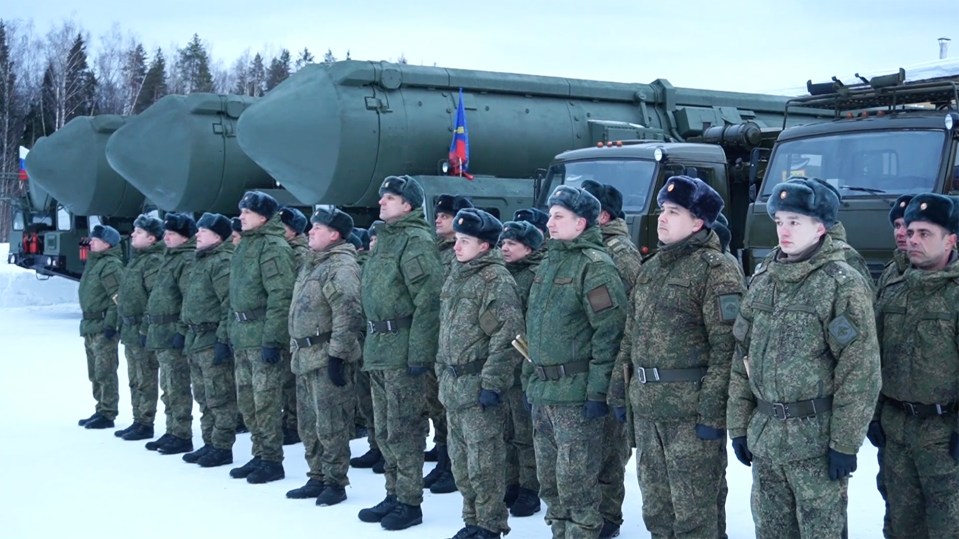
point(60, 480)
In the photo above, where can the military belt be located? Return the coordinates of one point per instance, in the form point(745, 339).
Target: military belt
point(312, 340)
point(473, 367)
point(249, 316)
point(99, 315)
point(794, 410)
point(657, 376)
point(389, 326)
point(556, 372)
point(203, 328)
point(131, 320)
point(920, 410)
point(161, 318)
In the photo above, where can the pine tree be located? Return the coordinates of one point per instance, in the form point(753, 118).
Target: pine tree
point(306, 57)
point(154, 84)
point(193, 67)
point(328, 58)
point(78, 97)
point(279, 70)
point(8, 137)
point(257, 77)
point(134, 74)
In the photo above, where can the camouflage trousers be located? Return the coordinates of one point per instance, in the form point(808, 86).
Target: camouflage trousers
point(102, 363)
point(259, 395)
point(325, 415)
point(796, 499)
point(214, 389)
point(568, 460)
point(520, 457)
point(612, 474)
point(925, 500)
point(398, 405)
point(680, 477)
point(881, 487)
point(434, 410)
point(143, 370)
point(289, 394)
point(478, 453)
point(177, 398)
point(364, 404)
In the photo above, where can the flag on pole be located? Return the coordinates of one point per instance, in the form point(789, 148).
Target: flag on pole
point(23, 169)
point(459, 157)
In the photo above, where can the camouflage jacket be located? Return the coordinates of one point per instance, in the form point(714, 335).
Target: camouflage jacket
point(98, 289)
point(326, 302)
point(447, 257)
point(480, 315)
point(261, 284)
point(206, 303)
point(577, 313)
point(523, 272)
point(808, 331)
point(166, 298)
point(681, 316)
point(623, 252)
point(138, 279)
point(895, 268)
point(301, 251)
point(402, 281)
point(917, 315)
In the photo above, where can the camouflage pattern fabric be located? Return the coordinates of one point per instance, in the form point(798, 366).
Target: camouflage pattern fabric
point(177, 397)
point(206, 301)
point(97, 292)
point(301, 251)
point(477, 454)
point(361, 382)
point(814, 508)
point(398, 405)
point(214, 389)
point(434, 410)
point(325, 413)
point(851, 255)
point(146, 375)
point(259, 398)
point(893, 269)
point(302, 254)
point(523, 272)
point(163, 320)
point(102, 363)
point(623, 251)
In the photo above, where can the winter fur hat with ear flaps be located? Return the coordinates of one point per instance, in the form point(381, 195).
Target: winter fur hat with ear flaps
point(693, 194)
point(293, 218)
point(523, 232)
point(533, 216)
point(721, 228)
point(898, 209)
point(180, 223)
point(578, 201)
point(479, 224)
point(610, 199)
point(260, 203)
point(374, 226)
point(355, 240)
point(364, 236)
point(216, 223)
point(805, 196)
point(451, 204)
point(933, 208)
point(106, 234)
point(406, 187)
point(150, 224)
point(336, 219)
point(236, 225)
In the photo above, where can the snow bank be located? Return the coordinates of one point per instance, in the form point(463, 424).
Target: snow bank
point(23, 288)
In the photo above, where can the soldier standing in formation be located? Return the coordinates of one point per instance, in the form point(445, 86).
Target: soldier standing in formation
point(237, 228)
point(805, 375)
point(294, 228)
point(915, 420)
point(574, 333)
point(98, 289)
point(142, 364)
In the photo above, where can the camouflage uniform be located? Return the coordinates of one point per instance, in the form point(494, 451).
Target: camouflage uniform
point(401, 286)
point(361, 381)
point(97, 291)
point(301, 255)
point(261, 284)
point(142, 364)
point(852, 257)
point(808, 332)
point(917, 315)
point(434, 409)
point(206, 313)
point(681, 314)
point(163, 323)
point(574, 328)
point(326, 321)
point(894, 269)
point(481, 314)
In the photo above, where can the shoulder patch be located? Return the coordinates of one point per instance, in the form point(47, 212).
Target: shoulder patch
point(413, 268)
point(729, 307)
point(840, 272)
point(599, 299)
point(843, 330)
point(488, 322)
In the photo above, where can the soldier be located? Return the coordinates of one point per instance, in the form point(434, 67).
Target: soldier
point(261, 284)
point(325, 323)
point(373, 228)
point(206, 313)
point(481, 314)
point(521, 244)
point(166, 333)
point(673, 364)
point(916, 418)
point(805, 373)
point(142, 364)
point(294, 228)
point(401, 286)
point(616, 447)
point(98, 289)
point(237, 228)
point(535, 217)
point(574, 328)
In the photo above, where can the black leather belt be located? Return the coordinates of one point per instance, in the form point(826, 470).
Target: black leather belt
point(249, 316)
point(203, 328)
point(556, 372)
point(389, 326)
point(131, 320)
point(920, 410)
point(473, 367)
point(161, 318)
point(94, 316)
point(656, 375)
point(312, 340)
point(793, 410)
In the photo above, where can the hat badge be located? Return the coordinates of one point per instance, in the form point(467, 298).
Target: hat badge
point(670, 187)
point(782, 195)
point(923, 206)
point(461, 220)
point(902, 204)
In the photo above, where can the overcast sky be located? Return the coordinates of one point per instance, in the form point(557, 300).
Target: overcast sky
point(747, 45)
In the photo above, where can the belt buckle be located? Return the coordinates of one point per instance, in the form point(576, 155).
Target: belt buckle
point(371, 328)
point(641, 375)
point(452, 370)
point(540, 373)
point(780, 411)
point(294, 346)
point(940, 410)
point(911, 409)
point(239, 316)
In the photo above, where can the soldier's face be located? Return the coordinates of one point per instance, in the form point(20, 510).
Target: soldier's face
point(393, 207)
point(322, 236)
point(676, 223)
point(444, 224)
point(899, 233)
point(930, 246)
point(564, 224)
point(141, 239)
point(250, 220)
point(235, 238)
point(468, 247)
point(97, 245)
point(173, 239)
point(288, 232)
point(514, 251)
point(372, 242)
point(206, 238)
point(797, 232)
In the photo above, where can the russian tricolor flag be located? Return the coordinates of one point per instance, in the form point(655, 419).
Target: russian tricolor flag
point(23, 169)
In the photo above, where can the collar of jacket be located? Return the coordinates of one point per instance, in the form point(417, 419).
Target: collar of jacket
point(341, 247)
point(273, 227)
point(591, 238)
point(413, 219)
point(187, 246)
point(614, 228)
point(493, 257)
point(156, 248)
point(704, 239)
point(828, 251)
point(533, 259)
point(300, 240)
point(901, 260)
point(116, 252)
point(838, 232)
point(933, 279)
point(222, 247)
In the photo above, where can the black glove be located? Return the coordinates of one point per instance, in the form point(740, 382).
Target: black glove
point(178, 341)
point(334, 369)
point(705, 432)
point(270, 354)
point(595, 409)
point(488, 399)
point(221, 353)
point(841, 465)
point(877, 437)
point(416, 370)
point(109, 333)
point(741, 448)
point(620, 413)
point(143, 341)
point(954, 446)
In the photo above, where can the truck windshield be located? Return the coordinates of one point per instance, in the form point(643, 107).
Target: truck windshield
point(862, 164)
point(633, 178)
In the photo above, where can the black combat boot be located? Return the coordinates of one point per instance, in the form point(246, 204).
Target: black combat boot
point(368, 459)
point(610, 529)
point(99, 422)
point(332, 494)
point(432, 455)
point(483, 533)
point(84, 421)
point(194, 456)
point(402, 516)
point(157, 444)
point(241, 428)
point(269, 470)
point(466, 532)
point(246, 469)
point(312, 489)
point(119, 433)
point(442, 465)
point(526, 503)
point(291, 437)
point(512, 491)
point(379, 467)
point(142, 432)
point(216, 457)
point(359, 431)
point(378, 511)
point(175, 446)
point(444, 482)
